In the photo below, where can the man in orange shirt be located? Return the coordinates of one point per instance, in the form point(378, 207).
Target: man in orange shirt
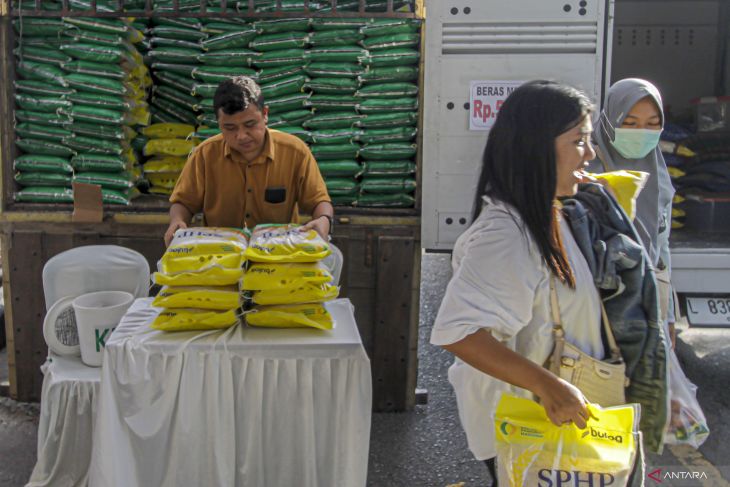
point(249, 174)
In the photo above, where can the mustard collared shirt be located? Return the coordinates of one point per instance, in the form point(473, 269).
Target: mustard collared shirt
point(231, 192)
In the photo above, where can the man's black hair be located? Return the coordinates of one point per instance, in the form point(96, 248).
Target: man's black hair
point(236, 94)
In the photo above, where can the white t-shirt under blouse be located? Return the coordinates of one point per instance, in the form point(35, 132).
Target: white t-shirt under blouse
point(501, 283)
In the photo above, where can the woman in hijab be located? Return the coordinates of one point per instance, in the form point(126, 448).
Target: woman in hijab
point(627, 137)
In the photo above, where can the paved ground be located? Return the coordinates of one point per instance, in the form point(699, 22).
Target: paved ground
point(426, 447)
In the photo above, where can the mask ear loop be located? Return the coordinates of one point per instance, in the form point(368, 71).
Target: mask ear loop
point(607, 128)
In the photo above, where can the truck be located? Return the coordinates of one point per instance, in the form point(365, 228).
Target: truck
point(477, 52)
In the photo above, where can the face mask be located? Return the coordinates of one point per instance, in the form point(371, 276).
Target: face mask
point(635, 143)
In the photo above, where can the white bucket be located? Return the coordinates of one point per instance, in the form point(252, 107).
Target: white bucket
point(97, 314)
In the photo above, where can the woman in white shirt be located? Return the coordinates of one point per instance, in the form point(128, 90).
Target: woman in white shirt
point(495, 315)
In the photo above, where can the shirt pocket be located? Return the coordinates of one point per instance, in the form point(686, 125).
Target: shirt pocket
point(275, 195)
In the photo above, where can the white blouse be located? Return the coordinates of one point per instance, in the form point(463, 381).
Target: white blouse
point(501, 284)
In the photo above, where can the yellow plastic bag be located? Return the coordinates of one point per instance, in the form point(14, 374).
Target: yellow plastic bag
point(165, 164)
point(286, 243)
point(200, 248)
point(265, 276)
point(163, 179)
point(194, 319)
point(215, 276)
point(531, 450)
point(168, 147)
point(626, 185)
point(675, 172)
point(303, 293)
point(219, 297)
point(168, 130)
point(312, 315)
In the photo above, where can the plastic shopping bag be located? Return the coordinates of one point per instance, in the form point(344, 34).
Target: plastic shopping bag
point(286, 243)
point(312, 315)
point(531, 450)
point(687, 424)
point(626, 186)
point(268, 276)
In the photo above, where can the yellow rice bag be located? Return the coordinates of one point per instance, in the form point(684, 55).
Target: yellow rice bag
point(286, 243)
point(531, 450)
point(626, 185)
point(160, 190)
point(194, 319)
point(675, 172)
point(165, 164)
point(168, 147)
point(312, 315)
point(304, 293)
point(168, 130)
point(163, 179)
point(214, 276)
point(200, 248)
point(219, 297)
point(263, 276)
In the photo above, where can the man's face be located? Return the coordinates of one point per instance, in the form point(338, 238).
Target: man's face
point(245, 131)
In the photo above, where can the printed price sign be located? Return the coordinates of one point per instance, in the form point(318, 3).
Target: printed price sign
point(485, 100)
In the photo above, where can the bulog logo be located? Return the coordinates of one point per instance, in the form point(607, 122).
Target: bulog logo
point(603, 435)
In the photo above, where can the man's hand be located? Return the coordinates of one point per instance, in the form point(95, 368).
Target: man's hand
point(321, 225)
point(174, 225)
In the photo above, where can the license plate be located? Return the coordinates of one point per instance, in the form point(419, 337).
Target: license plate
point(709, 311)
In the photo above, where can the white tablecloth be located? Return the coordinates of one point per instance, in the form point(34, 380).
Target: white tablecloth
point(65, 427)
point(244, 407)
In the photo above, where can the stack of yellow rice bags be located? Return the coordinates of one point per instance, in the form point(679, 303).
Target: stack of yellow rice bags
point(286, 281)
point(200, 272)
point(169, 146)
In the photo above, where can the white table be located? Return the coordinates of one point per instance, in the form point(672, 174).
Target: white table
point(243, 407)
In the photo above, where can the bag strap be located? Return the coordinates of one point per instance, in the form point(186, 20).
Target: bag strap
point(559, 333)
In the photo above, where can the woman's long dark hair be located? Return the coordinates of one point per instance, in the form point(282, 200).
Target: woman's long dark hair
point(518, 166)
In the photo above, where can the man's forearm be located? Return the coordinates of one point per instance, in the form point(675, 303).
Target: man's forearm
point(323, 208)
point(179, 212)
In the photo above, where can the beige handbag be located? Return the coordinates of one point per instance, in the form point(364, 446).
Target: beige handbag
point(601, 382)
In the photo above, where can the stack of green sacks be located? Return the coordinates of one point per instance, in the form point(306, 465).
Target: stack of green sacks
point(81, 88)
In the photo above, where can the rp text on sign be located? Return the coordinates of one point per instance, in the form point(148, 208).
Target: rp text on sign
point(485, 100)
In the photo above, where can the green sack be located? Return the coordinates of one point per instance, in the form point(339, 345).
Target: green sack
point(300, 132)
point(44, 42)
point(335, 151)
point(114, 197)
point(388, 120)
point(387, 185)
point(36, 194)
point(94, 84)
point(112, 102)
point(382, 136)
point(42, 71)
point(384, 27)
point(345, 200)
point(42, 179)
point(175, 114)
point(388, 90)
point(40, 163)
point(345, 54)
point(101, 131)
point(35, 88)
point(284, 86)
point(93, 37)
point(112, 71)
point(269, 75)
point(104, 179)
point(279, 41)
point(94, 52)
point(229, 57)
point(164, 42)
point(209, 120)
point(184, 22)
point(180, 69)
point(45, 132)
point(335, 136)
point(338, 23)
point(390, 41)
point(84, 113)
point(288, 103)
point(39, 26)
point(388, 105)
point(98, 163)
point(294, 117)
point(332, 86)
point(44, 118)
point(181, 33)
point(174, 55)
point(333, 103)
point(394, 200)
point(271, 26)
point(207, 133)
point(332, 120)
point(204, 105)
point(333, 70)
point(280, 58)
point(108, 26)
point(157, 116)
point(346, 168)
point(204, 90)
point(389, 168)
point(39, 146)
point(40, 103)
point(391, 57)
point(394, 151)
point(216, 28)
point(216, 74)
point(341, 37)
point(389, 74)
point(138, 143)
point(239, 38)
point(341, 186)
point(42, 55)
point(91, 145)
point(183, 100)
point(182, 83)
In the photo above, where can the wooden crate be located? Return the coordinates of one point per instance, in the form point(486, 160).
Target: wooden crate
point(381, 275)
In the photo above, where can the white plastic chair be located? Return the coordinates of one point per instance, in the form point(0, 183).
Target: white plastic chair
point(68, 398)
point(334, 263)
